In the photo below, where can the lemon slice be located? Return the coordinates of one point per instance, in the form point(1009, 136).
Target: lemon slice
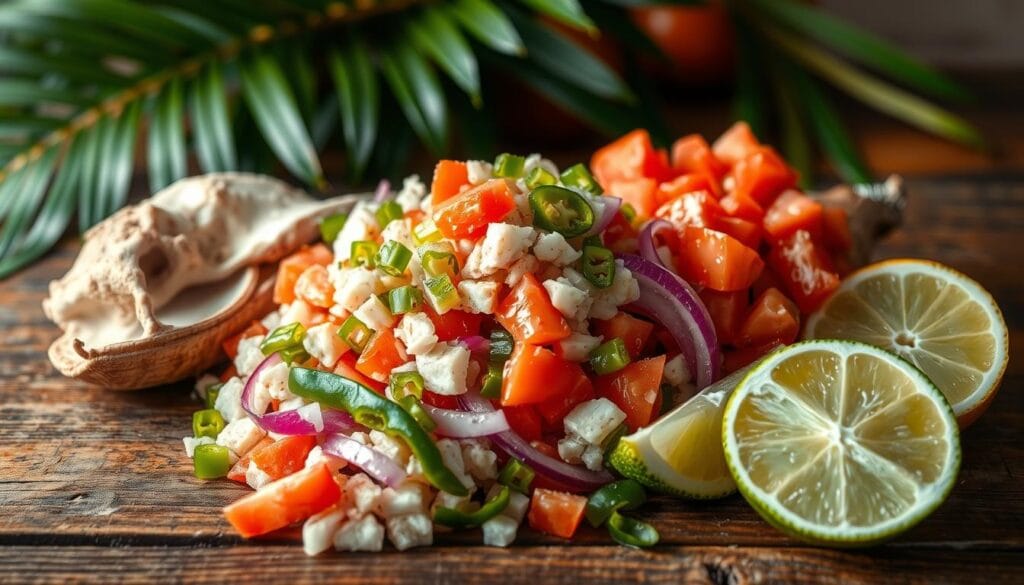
point(681, 453)
point(940, 320)
point(840, 443)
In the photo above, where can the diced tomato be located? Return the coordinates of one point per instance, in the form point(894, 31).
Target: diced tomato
point(792, 211)
point(742, 206)
point(289, 270)
point(346, 368)
point(283, 457)
point(450, 176)
point(237, 471)
point(230, 344)
point(534, 374)
point(633, 332)
point(415, 217)
point(640, 193)
point(527, 313)
point(696, 208)
point(554, 409)
point(556, 513)
point(524, 420)
point(727, 311)
point(691, 154)
point(804, 271)
point(620, 233)
point(717, 261)
point(735, 359)
point(747, 232)
point(736, 144)
point(547, 449)
point(284, 501)
point(772, 317)
point(684, 184)
point(836, 231)
point(383, 353)
point(314, 287)
point(454, 324)
point(763, 176)
point(634, 389)
point(440, 400)
point(630, 157)
point(467, 214)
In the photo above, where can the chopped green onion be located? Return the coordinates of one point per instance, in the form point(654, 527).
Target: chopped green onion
point(491, 387)
point(364, 253)
point(626, 494)
point(403, 299)
point(540, 176)
point(426, 232)
point(438, 262)
point(579, 176)
point(598, 266)
point(331, 225)
point(211, 461)
point(212, 391)
point(282, 338)
point(629, 532)
point(502, 345)
point(443, 293)
point(294, 354)
point(207, 423)
point(412, 405)
point(509, 166)
point(609, 357)
point(355, 333)
point(393, 258)
point(406, 384)
point(516, 475)
point(387, 212)
point(561, 210)
point(628, 211)
point(458, 519)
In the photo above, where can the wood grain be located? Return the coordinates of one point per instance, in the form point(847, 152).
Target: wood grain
point(95, 486)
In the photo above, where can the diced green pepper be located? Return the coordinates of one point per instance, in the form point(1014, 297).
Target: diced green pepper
point(502, 345)
point(579, 176)
point(331, 225)
point(540, 176)
point(282, 338)
point(609, 357)
point(438, 259)
point(491, 387)
point(212, 391)
point(355, 333)
point(363, 253)
point(443, 293)
point(561, 210)
point(388, 212)
point(426, 232)
point(376, 412)
point(294, 354)
point(207, 423)
point(626, 494)
point(629, 532)
point(517, 475)
point(403, 299)
point(406, 384)
point(509, 166)
point(598, 266)
point(211, 461)
point(459, 519)
point(628, 211)
point(393, 258)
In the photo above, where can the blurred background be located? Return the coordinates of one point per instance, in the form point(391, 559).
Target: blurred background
point(106, 100)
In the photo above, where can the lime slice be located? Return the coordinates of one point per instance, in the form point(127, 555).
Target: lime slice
point(840, 443)
point(681, 454)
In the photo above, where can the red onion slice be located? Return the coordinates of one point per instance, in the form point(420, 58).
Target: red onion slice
point(376, 464)
point(605, 208)
point(648, 240)
point(464, 425)
point(307, 420)
point(475, 343)
point(670, 301)
point(571, 477)
point(383, 191)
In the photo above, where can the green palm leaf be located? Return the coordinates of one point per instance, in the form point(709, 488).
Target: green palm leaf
point(211, 124)
point(488, 25)
point(436, 34)
point(167, 138)
point(358, 100)
point(418, 93)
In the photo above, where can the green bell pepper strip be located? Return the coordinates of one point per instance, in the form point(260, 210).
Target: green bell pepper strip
point(207, 423)
point(629, 532)
point(376, 412)
point(561, 210)
point(211, 461)
point(626, 494)
point(412, 405)
point(609, 357)
point(458, 519)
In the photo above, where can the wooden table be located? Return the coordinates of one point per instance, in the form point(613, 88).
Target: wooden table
point(95, 485)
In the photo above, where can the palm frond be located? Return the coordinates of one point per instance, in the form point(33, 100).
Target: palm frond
point(247, 85)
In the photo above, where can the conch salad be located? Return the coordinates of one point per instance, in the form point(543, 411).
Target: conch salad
point(465, 355)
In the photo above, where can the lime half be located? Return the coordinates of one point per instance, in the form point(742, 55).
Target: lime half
point(840, 443)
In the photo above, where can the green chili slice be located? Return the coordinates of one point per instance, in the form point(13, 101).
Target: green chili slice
point(629, 532)
point(579, 176)
point(403, 299)
point(388, 212)
point(426, 232)
point(628, 211)
point(363, 253)
point(509, 166)
point(414, 407)
point(207, 423)
point(331, 225)
point(393, 258)
point(283, 337)
point(355, 333)
point(626, 494)
point(212, 391)
point(438, 262)
point(406, 384)
point(458, 519)
point(609, 357)
point(561, 210)
point(540, 176)
point(443, 293)
point(211, 461)
point(517, 475)
point(598, 266)
point(377, 412)
point(491, 387)
point(502, 345)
